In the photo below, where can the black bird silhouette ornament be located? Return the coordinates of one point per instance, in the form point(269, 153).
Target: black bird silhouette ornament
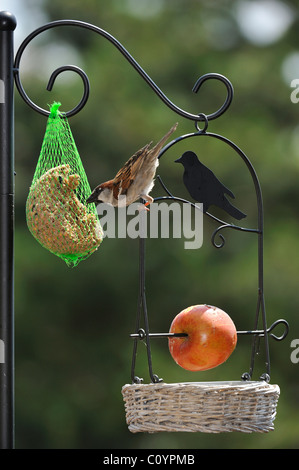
point(205, 187)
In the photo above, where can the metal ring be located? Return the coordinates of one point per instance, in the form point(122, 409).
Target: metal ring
point(206, 121)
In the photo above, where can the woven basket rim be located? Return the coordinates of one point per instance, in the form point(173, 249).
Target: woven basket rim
point(228, 384)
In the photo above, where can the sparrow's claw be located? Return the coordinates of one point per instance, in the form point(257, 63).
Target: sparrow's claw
point(142, 207)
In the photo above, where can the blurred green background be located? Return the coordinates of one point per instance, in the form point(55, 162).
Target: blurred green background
point(73, 351)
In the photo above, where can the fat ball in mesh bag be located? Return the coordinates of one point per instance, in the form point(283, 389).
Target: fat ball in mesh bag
point(56, 213)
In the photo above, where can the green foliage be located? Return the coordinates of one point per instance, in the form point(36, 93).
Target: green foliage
point(72, 326)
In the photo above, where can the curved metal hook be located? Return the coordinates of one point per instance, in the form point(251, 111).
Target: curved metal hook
point(52, 79)
point(229, 88)
point(233, 226)
point(132, 61)
point(85, 80)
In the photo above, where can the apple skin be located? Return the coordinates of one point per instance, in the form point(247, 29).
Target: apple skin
point(211, 339)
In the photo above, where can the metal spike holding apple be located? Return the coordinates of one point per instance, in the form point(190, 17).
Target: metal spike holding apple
point(211, 337)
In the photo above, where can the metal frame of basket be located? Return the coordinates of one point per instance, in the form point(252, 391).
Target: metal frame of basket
point(264, 332)
point(212, 407)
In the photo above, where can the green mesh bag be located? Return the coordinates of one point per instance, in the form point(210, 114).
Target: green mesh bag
point(56, 213)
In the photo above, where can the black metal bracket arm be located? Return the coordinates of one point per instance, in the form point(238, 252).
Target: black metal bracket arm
point(130, 59)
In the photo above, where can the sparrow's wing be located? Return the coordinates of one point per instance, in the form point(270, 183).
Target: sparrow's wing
point(158, 147)
point(128, 172)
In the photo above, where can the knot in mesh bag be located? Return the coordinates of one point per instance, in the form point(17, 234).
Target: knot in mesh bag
point(55, 210)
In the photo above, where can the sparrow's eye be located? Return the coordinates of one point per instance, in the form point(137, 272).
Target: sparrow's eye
point(98, 190)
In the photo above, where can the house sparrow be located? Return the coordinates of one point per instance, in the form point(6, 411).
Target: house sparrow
point(134, 180)
point(205, 187)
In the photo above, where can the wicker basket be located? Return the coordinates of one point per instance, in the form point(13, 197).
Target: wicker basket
point(210, 407)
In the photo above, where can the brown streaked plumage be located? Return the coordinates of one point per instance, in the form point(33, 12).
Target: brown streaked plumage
point(134, 180)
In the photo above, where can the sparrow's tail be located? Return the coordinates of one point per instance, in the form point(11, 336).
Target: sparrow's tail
point(154, 152)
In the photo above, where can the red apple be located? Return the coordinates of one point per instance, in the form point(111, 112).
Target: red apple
point(211, 339)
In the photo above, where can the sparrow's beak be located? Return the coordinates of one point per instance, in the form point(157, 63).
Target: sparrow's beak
point(92, 198)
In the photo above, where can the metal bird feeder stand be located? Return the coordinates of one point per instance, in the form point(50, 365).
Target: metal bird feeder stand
point(243, 405)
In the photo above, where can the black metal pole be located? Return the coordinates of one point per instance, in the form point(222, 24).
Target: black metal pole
point(7, 27)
